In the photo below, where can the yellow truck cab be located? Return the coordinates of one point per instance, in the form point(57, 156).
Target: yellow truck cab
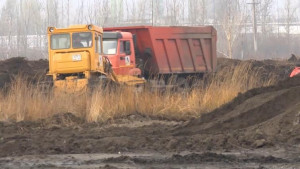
point(76, 58)
point(75, 55)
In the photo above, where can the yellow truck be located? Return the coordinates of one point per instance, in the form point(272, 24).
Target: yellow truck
point(76, 60)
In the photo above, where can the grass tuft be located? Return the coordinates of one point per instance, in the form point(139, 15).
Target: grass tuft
point(26, 101)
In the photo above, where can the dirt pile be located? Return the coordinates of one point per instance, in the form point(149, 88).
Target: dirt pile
point(280, 70)
point(33, 70)
point(265, 117)
point(261, 117)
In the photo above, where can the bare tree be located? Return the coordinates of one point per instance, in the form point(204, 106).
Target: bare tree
point(265, 13)
point(197, 12)
point(173, 10)
point(80, 15)
point(8, 23)
point(231, 19)
point(91, 12)
point(68, 12)
point(290, 11)
point(158, 9)
point(52, 12)
point(116, 11)
point(101, 13)
point(30, 20)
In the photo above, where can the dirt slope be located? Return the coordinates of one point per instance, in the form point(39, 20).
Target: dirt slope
point(261, 119)
point(33, 70)
point(264, 117)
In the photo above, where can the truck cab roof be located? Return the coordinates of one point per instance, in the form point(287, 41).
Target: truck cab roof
point(117, 35)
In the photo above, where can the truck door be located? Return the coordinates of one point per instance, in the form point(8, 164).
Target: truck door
point(126, 60)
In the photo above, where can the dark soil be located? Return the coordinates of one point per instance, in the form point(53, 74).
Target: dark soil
point(32, 70)
point(279, 70)
point(262, 118)
point(196, 158)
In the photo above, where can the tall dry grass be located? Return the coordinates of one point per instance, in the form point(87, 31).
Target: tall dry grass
point(27, 101)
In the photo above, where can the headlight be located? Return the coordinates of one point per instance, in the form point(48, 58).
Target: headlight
point(90, 27)
point(51, 29)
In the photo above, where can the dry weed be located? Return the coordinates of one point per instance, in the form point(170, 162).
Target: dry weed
point(26, 101)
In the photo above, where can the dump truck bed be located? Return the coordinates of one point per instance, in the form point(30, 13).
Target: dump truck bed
point(169, 50)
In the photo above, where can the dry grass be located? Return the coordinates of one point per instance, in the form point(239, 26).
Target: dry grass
point(26, 101)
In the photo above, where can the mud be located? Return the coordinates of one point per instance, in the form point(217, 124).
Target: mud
point(32, 70)
point(258, 129)
point(150, 160)
point(279, 70)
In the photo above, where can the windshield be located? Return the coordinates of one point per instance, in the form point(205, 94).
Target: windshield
point(82, 40)
point(110, 46)
point(60, 41)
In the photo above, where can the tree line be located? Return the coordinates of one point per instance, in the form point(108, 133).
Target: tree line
point(23, 23)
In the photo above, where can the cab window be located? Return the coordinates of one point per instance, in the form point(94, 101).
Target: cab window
point(122, 47)
point(110, 46)
point(82, 40)
point(60, 41)
point(125, 47)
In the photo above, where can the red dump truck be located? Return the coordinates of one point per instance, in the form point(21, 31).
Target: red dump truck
point(161, 51)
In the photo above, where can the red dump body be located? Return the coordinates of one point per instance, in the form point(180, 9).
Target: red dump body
point(169, 50)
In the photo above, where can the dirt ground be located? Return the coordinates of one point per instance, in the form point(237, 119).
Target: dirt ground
point(33, 70)
point(258, 129)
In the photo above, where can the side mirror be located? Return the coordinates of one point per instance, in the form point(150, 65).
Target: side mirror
point(127, 48)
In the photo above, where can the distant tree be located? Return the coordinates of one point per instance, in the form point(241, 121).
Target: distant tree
point(158, 12)
point(289, 12)
point(144, 9)
point(30, 21)
point(197, 12)
point(52, 12)
point(116, 15)
point(265, 11)
point(8, 23)
point(100, 15)
point(174, 11)
point(231, 17)
point(68, 12)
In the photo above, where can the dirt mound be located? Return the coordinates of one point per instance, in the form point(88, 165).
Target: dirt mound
point(293, 58)
point(33, 70)
point(265, 117)
point(261, 117)
point(279, 70)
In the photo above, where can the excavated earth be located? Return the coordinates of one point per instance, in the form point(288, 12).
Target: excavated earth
point(34, 71)
point(258, 129)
